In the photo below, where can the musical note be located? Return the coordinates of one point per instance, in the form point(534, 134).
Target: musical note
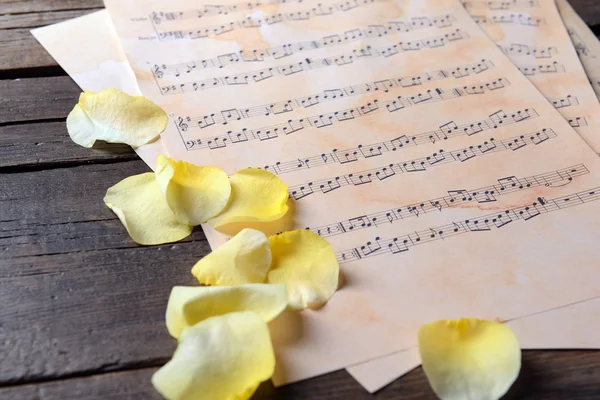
point(501, 4)
point(376, 106)
point(478, 225)
point(252, 22)
point(424, 163)
point(302, 66)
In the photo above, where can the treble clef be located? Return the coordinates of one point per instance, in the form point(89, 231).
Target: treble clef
point(181, 124)
point(158, 71)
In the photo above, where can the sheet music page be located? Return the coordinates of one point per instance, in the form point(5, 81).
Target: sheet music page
point(100, 64)
point(567, 327)
point(532, 35)
point(543, 52)
point(570, 327)
point(586, 43)
point(411, 118)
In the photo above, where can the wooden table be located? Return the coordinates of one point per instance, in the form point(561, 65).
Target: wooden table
point(82, 306)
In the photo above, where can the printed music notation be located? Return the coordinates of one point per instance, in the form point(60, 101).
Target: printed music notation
point(328, 119)
point(309, 64)
point(553, 68)
point(255, 22)
point(512, 19)
point(516, 49)
point(566, 101)
point(223, 117)
point(577, 122)
point(211, 10)
point(422, 164)
point(277, 52)
point(446, 131)
point(579, 44)
point(501, 5)
point(454, 198)
point(484, 223)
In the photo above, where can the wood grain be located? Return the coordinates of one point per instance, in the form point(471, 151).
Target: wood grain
point(557, 375)
point(77, 293)
point(38, 19)
point(45, 145)
point(37, 99)
point(31, 6)
point(589, 10)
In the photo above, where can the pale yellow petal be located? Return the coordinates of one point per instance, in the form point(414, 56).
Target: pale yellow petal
point(189, 305)
point(221, 358)
point(307, 264)
point(245, 258)
point(142, 208)
point(256, 196)
point(469, 359)
point(194, 193)
point(116, 117)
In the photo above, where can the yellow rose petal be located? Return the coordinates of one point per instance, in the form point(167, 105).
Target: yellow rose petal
point(469, 358)
point(115, 117)
point(245, 258)
point(307, 264)
point(221, 358)
point(189, 305)
point(142, 208)
point(256, 196)
point(194, 193)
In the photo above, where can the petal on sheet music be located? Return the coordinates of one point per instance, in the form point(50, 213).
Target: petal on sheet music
point(115, 117)
point(256, 196)
point(194, 193)
point(142, 208)
point(469, 358)
point(307, 264)
point(245, 258)
point(189, 305)
point(222, 357)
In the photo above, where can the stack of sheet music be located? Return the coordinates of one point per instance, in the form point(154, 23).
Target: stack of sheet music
point(447, 151)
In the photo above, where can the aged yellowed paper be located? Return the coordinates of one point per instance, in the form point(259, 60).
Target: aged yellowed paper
point(463, 191)
point(98, 65)
point(565, 327)
point(586, 43)
point(570, 327)
point(543, 52)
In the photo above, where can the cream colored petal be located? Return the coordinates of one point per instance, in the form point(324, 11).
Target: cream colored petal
point(221, 358)
point(307, 264)
point(189, 305)
point(245, 258)
point(116, 117)
point(194, 193)
point(142, 208)
point(469, 358)
point(256, 196)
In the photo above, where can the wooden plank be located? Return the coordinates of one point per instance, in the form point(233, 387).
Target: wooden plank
point(49, 144)
point(77, 293)
point(20, 50)
point(61, 210)
point(37, 98)
point(37, 19)
point(589, 10)
point(556, 375)
point(28, 6)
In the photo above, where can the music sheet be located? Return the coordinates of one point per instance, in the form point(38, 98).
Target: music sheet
point(570, 327)
point(567, 327)
point(543, 52)
point(400, 112)
point(586, 43)
point(100, 64)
